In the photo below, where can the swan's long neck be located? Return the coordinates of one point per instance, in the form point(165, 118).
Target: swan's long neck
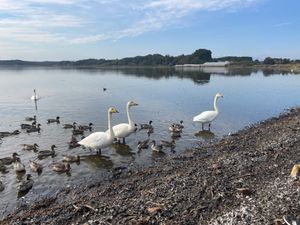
point(215, 104)
point(130, 122)
point(111, 131)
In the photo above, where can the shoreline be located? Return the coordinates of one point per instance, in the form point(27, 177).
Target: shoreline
point(288, 68)
point(291, 67)
point(241, 179)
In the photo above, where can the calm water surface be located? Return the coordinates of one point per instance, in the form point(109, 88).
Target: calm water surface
point(164, 96)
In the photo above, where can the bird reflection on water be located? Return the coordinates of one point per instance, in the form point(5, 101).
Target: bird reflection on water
point(97, 161)
point(205, 134)
point(123, 149)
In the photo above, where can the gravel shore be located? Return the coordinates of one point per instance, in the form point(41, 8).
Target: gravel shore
point(242, 179)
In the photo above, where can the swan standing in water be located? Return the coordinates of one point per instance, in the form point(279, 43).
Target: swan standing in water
point(208, 116)
point(35, 97)
point(123, 130)
point(99, 140)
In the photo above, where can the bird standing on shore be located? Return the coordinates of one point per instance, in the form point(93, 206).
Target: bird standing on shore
point(208, 116)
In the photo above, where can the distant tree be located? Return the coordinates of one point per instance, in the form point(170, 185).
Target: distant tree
point(286, 61)
point(200, 56)
point(243, 59)
point(256, 61)
point(269, 61)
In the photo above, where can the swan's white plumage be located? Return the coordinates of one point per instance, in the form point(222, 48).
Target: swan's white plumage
point(98, 140)
point(35, 97)
point(123, 130)
point(206, 117)
point(209, 116)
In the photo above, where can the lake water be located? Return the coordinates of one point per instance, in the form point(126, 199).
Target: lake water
point(164, 96)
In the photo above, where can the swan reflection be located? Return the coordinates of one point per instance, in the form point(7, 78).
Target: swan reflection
point(205, 134)
point(97, 161)
point(123, 149)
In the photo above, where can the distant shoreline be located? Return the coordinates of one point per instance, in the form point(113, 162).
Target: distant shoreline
point(292, 67)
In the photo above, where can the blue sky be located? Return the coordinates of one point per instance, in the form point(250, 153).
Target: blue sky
point(77, 29)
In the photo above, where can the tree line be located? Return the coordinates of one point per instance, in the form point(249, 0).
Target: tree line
point(198, 57)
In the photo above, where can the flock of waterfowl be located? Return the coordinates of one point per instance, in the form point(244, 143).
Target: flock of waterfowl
point(94, 141)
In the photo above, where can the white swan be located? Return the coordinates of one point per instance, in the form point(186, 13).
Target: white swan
point(98, 140)
point(35, 97)
point(123, 130)
point(208, 116)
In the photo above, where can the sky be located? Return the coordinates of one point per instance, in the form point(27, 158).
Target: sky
point(79, 29)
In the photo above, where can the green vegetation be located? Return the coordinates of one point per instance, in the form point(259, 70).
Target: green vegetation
point(198, 57)
point(269, 61)
point(240, 59)
point(272, 61)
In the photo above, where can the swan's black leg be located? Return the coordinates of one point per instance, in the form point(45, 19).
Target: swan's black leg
point(124, 141)
point(202, 127)
point(209, 127)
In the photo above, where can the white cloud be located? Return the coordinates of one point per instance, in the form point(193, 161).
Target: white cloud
point(282, 24)
point(40, 20)
point(189, 5)
point(160, 13)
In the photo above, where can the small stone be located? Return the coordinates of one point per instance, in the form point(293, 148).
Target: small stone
point(245, 191)
point(295, 170)
point(278, 221)
point(153, 210)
